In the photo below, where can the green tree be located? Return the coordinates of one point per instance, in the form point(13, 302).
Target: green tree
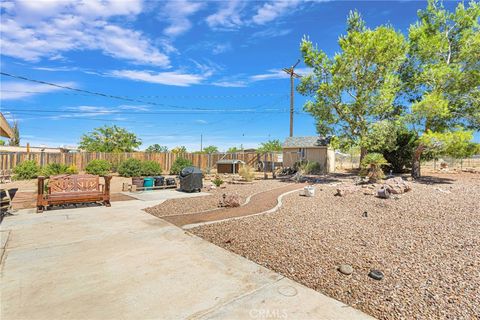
point(2, 142)
point(179, 150)
point(233, 150)
point(157, 148)
point(358, 86)
point(210, 149)
point(15, 140)
point(270, 146)
point(109, 139)
point(442, 76)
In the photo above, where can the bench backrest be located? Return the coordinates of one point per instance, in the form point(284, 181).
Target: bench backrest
point(73, 183)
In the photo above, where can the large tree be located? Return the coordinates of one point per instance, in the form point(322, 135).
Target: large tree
point(357, 86)
point(270, 146)
point(442, 77)
point(109, 139)
point(210, 149)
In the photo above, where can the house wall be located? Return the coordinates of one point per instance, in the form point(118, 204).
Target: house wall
point(322, 155)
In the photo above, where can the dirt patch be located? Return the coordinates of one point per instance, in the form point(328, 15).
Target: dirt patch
point(426, 242)
point(260, 202)
point(193, 205)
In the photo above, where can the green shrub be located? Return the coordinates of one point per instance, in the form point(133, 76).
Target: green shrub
point(72, 169)
point(26, 170)
point(53, 169)
point(217, 181)
point(179, 164)
point(372, 166)
point(151, 168)
point(247, 173)
point(313, 167)
point(98, 167)
point(130, 168)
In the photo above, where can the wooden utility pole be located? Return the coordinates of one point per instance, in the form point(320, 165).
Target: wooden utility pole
point(291, 71)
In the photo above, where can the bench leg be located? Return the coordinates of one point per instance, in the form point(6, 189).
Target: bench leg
point(107, 203)
point(40, 209)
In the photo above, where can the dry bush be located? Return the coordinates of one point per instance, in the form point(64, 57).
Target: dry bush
point(247, 173)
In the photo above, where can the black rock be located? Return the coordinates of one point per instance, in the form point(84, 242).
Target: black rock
point(376, 274)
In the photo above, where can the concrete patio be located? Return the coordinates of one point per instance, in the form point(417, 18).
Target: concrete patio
point(120, 262)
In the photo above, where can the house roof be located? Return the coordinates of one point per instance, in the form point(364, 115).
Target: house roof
point(301, 142)
point(228, 161)
point(5, 129)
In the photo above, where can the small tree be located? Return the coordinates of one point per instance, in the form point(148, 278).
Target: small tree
point(270, 146)
point(210, 149)
point(157, 148)
point(109, 139)
point(233, 150)
point(15, 140)
point(2, 142)
point(179, 150)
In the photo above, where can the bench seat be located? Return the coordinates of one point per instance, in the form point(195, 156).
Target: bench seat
point(72, 189)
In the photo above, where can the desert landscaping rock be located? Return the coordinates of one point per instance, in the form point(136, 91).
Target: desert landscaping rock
point(426, 243)
point(376, 274)
point(345, 269)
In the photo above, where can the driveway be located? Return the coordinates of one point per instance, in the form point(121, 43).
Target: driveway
point(120, 262)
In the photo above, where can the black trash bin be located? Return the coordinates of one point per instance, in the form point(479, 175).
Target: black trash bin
point(159, 181)
point(191, 179)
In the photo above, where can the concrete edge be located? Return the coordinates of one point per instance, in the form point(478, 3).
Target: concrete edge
point(279, 204)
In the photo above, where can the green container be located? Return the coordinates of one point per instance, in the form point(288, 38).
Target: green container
point(148, 183)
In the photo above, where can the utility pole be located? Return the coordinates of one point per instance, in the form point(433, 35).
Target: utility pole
point(291, 71)
point(201, 142)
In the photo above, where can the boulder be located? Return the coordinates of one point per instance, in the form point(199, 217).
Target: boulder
point(397, 185)
point(230, 201)
point(344, 190)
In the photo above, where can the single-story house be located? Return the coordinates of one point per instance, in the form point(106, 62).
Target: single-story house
point(309, 149)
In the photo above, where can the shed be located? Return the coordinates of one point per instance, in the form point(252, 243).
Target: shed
point(313, 148)
point(229, 166)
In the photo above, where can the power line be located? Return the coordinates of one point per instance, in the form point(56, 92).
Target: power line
point(246, 95)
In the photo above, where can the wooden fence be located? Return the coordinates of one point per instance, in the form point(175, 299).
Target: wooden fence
point(9, 160)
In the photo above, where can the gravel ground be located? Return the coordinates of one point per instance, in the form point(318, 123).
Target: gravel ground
point(191, 205)
point(426, 242)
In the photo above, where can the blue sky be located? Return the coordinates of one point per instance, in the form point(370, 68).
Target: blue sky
point(185, 68)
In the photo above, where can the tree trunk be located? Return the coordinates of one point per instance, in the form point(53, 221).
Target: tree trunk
point(363, 153)
point(416, 161)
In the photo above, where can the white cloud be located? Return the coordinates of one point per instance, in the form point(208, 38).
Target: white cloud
point(136, 108)
point(274, 9)
point(274, 74)
point(228, 16)
point(172, 78)
point(34, 30)
point(221, 48)
point(177, 13)
point(201, 121)
point(231, 84)
point(12, 90)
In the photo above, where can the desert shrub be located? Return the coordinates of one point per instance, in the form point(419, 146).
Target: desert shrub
point(313, 167)
point(26, 170)
point(247, 173)
point(217, 181)
point(52, 169)
point(72, 169)
point(300, 165)
point(372, 166)
point(151, 168)
point(130, 168)
point(98, 167)
point(179, 164)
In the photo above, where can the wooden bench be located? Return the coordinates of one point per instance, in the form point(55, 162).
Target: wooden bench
point(71, 189)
